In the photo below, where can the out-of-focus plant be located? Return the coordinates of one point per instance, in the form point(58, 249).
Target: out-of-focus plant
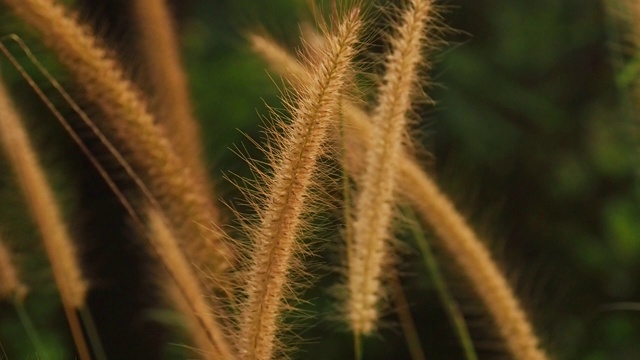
point(163, 259)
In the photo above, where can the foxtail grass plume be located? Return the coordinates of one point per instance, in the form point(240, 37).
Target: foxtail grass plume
point(210, 338)
point(60, 249)
point(432, 204)
point(374, 207)
point(475, 260)
point(131, 126)
point(280, 224)
point(168, 86)
point(42, 203)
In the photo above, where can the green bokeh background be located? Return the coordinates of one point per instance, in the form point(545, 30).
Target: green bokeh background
point(533, 135)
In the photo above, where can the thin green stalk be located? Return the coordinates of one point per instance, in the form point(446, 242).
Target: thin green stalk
point(30, 329)
point(92, 334)
point(449, 303)
point(406, 320)
point(357, 345)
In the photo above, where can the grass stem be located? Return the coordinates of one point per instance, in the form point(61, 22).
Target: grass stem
point(31, 331)
point(406, 319)
point(448, 302)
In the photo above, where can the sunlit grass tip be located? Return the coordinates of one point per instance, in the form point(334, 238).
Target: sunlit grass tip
point(435, 209)
point(133, 128)
point(282, 206)
point(370, 250)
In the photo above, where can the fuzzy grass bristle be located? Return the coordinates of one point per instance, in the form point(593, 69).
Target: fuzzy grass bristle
point(152, 134)
point(432, 205)
point(275, 237)
point(61, 250)
point(476, 262)
point(42, 203)
point(210, 338)
point(370, 248)
point(132, 126)
point(168, 84)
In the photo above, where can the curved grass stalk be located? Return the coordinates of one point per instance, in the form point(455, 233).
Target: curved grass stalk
point(60, 249)
point(158, 45)
point(435, 209)
point(375, 201)
point(406, 319)
point(186, 293)
point(210, 339)
point(31, 331)
point(133, 128)
point(448, 302)
point(475, 260)
point(275, 238)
